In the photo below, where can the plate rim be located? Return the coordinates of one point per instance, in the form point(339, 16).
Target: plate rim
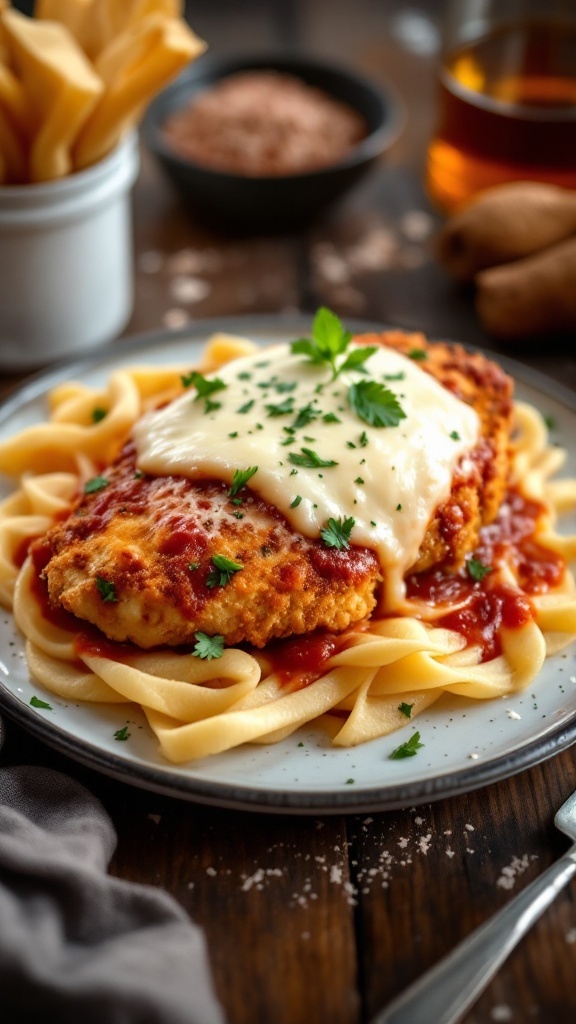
point(242, 797)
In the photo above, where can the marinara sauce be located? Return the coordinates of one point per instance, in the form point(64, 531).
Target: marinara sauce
point(486, 601)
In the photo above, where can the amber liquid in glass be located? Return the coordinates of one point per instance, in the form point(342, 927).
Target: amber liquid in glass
point(507, 111)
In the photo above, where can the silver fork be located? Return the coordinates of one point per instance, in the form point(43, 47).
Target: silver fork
point(449, 989)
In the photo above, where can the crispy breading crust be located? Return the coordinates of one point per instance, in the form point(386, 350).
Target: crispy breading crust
point(154, 539)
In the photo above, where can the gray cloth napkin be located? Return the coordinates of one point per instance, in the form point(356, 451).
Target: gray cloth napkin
point(77, 945)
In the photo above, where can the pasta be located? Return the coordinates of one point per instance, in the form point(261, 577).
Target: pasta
point(199, 707)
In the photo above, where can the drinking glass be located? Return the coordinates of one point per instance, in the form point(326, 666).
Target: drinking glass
point(506, 98)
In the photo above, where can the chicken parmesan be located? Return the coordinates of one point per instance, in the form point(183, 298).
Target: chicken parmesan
point(338, 529)
point(287, 493)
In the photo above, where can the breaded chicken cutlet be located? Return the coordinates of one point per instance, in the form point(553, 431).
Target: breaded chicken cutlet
point(154, 560)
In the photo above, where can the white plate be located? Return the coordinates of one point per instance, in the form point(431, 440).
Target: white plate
point(467, 744)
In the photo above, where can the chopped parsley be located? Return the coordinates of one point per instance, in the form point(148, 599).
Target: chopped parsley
point(208, 647)
point(122, 734)
point(305, 416)
point(407, 749)
point(224, 569)
point(477, 569)
point(106, 589)
point(284, 408)
point(193, 566)
point(310, 459)
point(296, 502)
point(203, 386)
point(98, 414)
point(337, 533)
point(240, 479)
point(418, 354)
point(455, 435)
point(375, 404)
point(331, 417)
point(246, 407)
point(37, 703)
point(97, 483)
point(406, 709)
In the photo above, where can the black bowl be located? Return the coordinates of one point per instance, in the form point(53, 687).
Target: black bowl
point(236, 202)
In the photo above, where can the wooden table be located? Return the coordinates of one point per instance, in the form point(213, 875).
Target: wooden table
point(312, 918)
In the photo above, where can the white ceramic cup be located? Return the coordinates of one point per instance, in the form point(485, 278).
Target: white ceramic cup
point(66, 261)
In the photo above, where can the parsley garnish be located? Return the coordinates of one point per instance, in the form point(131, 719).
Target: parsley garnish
point(97, 483)
point(331, 417)
point(477, 569)
point(211, 406)
point(375, 404)
point(282, 409)
point(406, 709)
point(337, 533)
point(246, 407)
point(37, 703)
point(357, 357)
point(223, 570)
point(296, 502)
point(193, 566)
point(106, 589)
point(418, 354)
point(310, 459)
point(305, 415)
point(407, 749)
point(98, 414)
point(329, 341)
point(240, 478)
point(208, 647)
point(122, 734)
point(455, 435)
point(203, 386)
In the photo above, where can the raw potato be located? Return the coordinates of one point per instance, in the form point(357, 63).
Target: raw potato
point(505, 223)
point(532, 296)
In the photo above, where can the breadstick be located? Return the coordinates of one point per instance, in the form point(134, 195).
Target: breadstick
point(505, 223)
point(532, 296)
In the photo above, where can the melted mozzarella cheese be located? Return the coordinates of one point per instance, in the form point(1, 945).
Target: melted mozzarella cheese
point(276, 406)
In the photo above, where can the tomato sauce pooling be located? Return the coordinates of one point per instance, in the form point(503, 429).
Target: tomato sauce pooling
point(301, 660)
point(488, 603)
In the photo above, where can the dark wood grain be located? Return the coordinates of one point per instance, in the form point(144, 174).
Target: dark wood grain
point(325, 919)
